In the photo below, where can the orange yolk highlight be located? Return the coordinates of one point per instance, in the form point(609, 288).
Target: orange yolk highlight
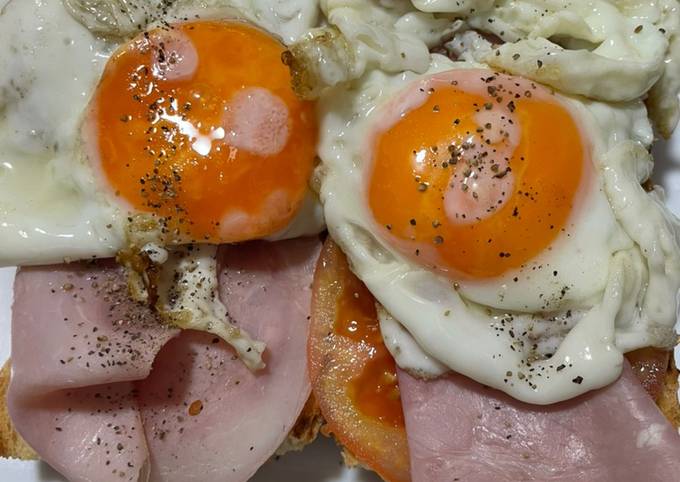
point(198, 125)
point(375, 390)
point(477, 173)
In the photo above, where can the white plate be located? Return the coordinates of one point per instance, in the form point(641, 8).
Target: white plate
point(321, 462)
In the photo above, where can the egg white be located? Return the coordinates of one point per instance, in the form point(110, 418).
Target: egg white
point(613, 51)
point(49, 207)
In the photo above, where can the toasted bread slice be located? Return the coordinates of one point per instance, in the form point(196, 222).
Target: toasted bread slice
point(13, 446)
point(11, 443)
point(304, 432)
point(668, 400)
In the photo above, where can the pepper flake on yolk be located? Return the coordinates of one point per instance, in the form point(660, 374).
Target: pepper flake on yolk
point(197, 124)
point(474, 173)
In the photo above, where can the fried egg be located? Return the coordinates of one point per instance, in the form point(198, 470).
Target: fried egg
point(192, 125)
point(501, 224)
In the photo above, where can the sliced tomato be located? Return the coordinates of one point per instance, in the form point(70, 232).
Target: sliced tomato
point(650, 365)
point(353, 375)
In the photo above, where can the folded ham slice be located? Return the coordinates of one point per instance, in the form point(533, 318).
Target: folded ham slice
point(460, 430)
point(84, 394)
point(209, 418)
point(75, 333)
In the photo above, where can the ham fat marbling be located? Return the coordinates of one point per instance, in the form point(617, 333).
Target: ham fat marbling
point(459, 430)
point(88, 396)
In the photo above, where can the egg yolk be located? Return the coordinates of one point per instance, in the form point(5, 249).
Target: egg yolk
point(197, 124)
point(474, 173)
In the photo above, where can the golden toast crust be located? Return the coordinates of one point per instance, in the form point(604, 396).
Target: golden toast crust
point(11, 444)
point(668, 400)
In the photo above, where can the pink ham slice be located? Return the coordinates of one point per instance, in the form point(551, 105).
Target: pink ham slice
point(74, 334)
point(460, 430)
point(78, 345)
point(207, 417)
